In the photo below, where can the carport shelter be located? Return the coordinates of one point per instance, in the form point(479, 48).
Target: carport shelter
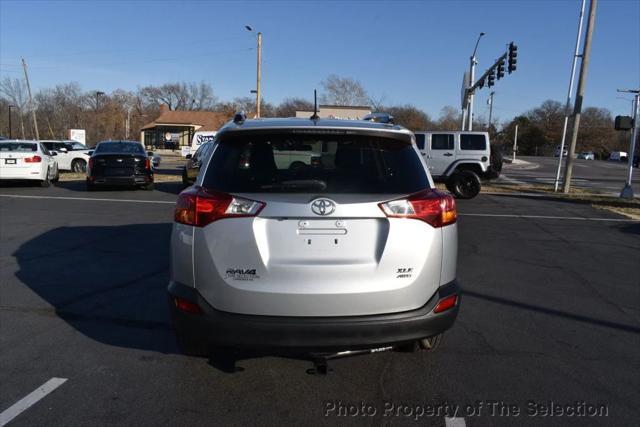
point(174, 129)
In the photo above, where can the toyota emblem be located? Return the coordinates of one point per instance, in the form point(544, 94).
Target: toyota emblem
point(323, 207)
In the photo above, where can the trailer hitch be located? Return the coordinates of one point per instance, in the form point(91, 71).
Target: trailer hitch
point(321, 360)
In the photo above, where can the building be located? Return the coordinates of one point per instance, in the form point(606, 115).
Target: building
point(175, 129)
point(350, 112)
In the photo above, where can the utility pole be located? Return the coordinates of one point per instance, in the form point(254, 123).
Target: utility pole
point(10, 128)
point(567, 113)
point(586, 54)
point(259, 76)
point(490, 102)
point(33, 110)
point(98, 93)
point(627, 190)
point(515, 144)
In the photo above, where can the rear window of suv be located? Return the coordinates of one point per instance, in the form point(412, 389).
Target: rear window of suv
point(119, 147)
point(314, 163)
point(472, 142)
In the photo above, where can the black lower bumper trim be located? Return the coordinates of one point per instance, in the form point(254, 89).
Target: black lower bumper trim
point(214, 328)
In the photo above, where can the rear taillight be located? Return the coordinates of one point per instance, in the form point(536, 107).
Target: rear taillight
point(34, 159)
point(199, 207)
point(187, 306)
point(147, 163)
point(431, 206)
point(446, 303)
point(90, 162)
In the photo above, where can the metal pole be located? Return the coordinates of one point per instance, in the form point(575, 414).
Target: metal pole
point(472, 77)
point(10, 129)
point(576, 55)
point(490, 109)
point(259, 77)
point(627, 191)
point(33, 110)
point(127, 124)
point(515, 144)
point(586, 53)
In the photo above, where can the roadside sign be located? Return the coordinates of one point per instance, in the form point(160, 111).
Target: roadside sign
point(79, 135)
point(464, 99)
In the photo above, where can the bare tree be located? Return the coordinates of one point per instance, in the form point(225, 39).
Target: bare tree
point(343, 91)
point(410, 117)
point(289, 106)
point(15, 91)
point(449, 119)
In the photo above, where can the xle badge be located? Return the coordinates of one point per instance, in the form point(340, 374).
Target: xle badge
point(404, 273)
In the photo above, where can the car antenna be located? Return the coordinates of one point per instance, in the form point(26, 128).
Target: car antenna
point(315, 106)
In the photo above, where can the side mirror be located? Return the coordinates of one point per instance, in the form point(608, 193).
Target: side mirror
point(62, 150)
point(53, 153)
point(90, 153)
point(188, 156)
point(623, 123)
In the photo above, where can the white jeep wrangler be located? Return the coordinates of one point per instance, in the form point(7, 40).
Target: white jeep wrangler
point(460, 159)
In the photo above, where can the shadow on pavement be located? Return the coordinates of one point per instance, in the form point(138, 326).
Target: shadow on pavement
point(577, 199)
point(109, 283)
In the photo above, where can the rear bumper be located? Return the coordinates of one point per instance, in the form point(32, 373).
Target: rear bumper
point(121, 180)
point(214, 328)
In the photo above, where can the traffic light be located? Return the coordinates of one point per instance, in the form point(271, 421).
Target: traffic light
point(500, 69)
point(491, 79)
point(481, 84)
point(513, 57)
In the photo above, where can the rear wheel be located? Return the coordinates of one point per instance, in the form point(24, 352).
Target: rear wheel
point(45, 182)
point(465, 184)
point(79, 166)
point(57, 177)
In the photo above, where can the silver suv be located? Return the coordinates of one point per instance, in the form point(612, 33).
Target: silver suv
point(355, 251)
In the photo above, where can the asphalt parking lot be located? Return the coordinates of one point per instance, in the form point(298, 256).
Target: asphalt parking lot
point(549, 316)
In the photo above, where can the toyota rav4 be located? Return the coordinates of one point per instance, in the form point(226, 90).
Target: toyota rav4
point(355, 251)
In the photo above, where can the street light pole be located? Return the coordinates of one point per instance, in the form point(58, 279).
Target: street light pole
point(472, 77)
point(258, 90)
point(627, 190)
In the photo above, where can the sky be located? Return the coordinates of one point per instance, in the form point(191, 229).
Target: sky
point(403, 52)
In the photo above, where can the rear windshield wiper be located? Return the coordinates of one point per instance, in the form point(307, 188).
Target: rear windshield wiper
point(297, 184)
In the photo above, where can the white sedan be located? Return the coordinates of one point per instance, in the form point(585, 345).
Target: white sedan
point(72, 155)
point(27, 160)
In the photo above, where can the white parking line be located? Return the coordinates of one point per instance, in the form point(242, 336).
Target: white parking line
point(29, 400)
point(92, 199)
point(454, 422)
point(573, 218)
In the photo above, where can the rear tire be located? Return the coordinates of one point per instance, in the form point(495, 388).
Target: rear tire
point(45, 182)
point(57, 177)
point(465, 184)
point(79, 166)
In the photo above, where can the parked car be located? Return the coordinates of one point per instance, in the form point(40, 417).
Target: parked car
point(27, 160)
point(459, 159)
point(359, 253)
point(565, 151)
point(618, 156)
point(155, 159)
point(72, 155)
point(194, 161)
point(119, 163)
point(587, 155)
